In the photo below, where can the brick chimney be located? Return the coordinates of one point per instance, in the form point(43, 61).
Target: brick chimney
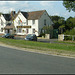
point(13, 13)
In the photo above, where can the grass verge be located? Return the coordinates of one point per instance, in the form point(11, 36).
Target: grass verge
point(38, 45)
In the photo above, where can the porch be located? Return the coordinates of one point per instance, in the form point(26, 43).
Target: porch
point(9, 28)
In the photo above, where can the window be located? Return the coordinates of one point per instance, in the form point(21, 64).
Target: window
point(19, 30)
point(1, 29)
point(1, 22)
point(19, 22)
point(27, 22)
point(33, 21)
point(33, 30)
point(27, 30)
point(45, 22)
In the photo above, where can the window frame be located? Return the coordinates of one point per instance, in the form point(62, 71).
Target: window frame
point(44, 21)
point(33, 22)
point(33, 30)
point(1, 29)
point(1, 22)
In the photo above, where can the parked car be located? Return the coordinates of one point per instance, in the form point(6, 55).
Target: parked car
point(8, 35)
point(31, 37)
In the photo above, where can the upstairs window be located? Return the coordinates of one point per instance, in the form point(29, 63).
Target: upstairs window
point(33, 30)
point(33, 21)
point(1, 22)
point(27, 22)
point(45, 22)
point(19, 22)
point(1, 29)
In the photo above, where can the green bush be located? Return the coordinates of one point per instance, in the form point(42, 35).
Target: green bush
point(68, 38)
point(70, 32)
point(42, 34)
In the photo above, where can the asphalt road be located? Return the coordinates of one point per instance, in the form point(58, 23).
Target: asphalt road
point(14, 61)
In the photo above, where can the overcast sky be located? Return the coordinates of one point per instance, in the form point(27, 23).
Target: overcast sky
point(52, 7)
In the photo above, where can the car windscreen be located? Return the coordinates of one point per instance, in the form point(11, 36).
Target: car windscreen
point(7, 34)
point(29, 36)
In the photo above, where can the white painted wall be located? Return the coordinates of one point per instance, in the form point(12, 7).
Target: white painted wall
point(41, 21)
point(30, 23)
point(39, 24)
point(23, 19)
point(4, 24)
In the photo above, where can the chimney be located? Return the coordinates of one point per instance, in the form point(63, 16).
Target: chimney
point(13, 13)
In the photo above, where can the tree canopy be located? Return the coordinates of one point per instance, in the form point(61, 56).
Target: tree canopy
point(69, 5)
point(57, 20)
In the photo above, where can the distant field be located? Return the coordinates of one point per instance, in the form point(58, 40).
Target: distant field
point(66, 46)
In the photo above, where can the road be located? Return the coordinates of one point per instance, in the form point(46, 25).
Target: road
point(14, 61)
point(41, 40)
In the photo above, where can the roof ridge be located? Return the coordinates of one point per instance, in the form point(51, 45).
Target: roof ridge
point(33, 11)
point(37, 10)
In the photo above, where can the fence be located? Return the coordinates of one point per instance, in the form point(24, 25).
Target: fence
point(63, 37)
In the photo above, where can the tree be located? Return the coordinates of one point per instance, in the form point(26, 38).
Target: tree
point(0, 13)
point(58, 21)
point(70, 32)
point(70, 23)
point(47, 29)
point(69, 5)
point(61, 28)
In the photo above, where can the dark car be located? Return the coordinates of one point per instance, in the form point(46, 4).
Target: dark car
point(8, 36)
point(31, 37)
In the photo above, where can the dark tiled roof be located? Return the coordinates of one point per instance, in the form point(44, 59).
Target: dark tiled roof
point(25, 14)
point(7, 17)
point(33, 15)
point(9, 26)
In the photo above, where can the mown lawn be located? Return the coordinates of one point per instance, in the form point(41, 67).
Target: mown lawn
point(38, 45)
point(66, 42)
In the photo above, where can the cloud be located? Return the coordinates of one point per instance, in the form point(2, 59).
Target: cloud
point(25, 3)
point(7, 6)
point(5, 9)
point(56, 14)
point(11, 2)
point(2, 3)
point(46, 3)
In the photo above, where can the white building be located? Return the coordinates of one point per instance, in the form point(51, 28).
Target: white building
point(26, 23)
point(6, 23)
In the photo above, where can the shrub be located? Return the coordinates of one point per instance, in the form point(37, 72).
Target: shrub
point(42, 34)
point(70, 32)
point(68, 38)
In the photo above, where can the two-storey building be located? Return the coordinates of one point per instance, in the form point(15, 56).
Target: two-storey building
point(24, 23)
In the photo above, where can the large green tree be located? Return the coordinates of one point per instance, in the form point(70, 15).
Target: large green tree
point(70, 23)
point(57, 20)
point(69, 5)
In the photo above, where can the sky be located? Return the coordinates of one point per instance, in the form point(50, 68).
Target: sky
point(52, 7)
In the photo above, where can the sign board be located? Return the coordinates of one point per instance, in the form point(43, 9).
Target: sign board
point(23, 26)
